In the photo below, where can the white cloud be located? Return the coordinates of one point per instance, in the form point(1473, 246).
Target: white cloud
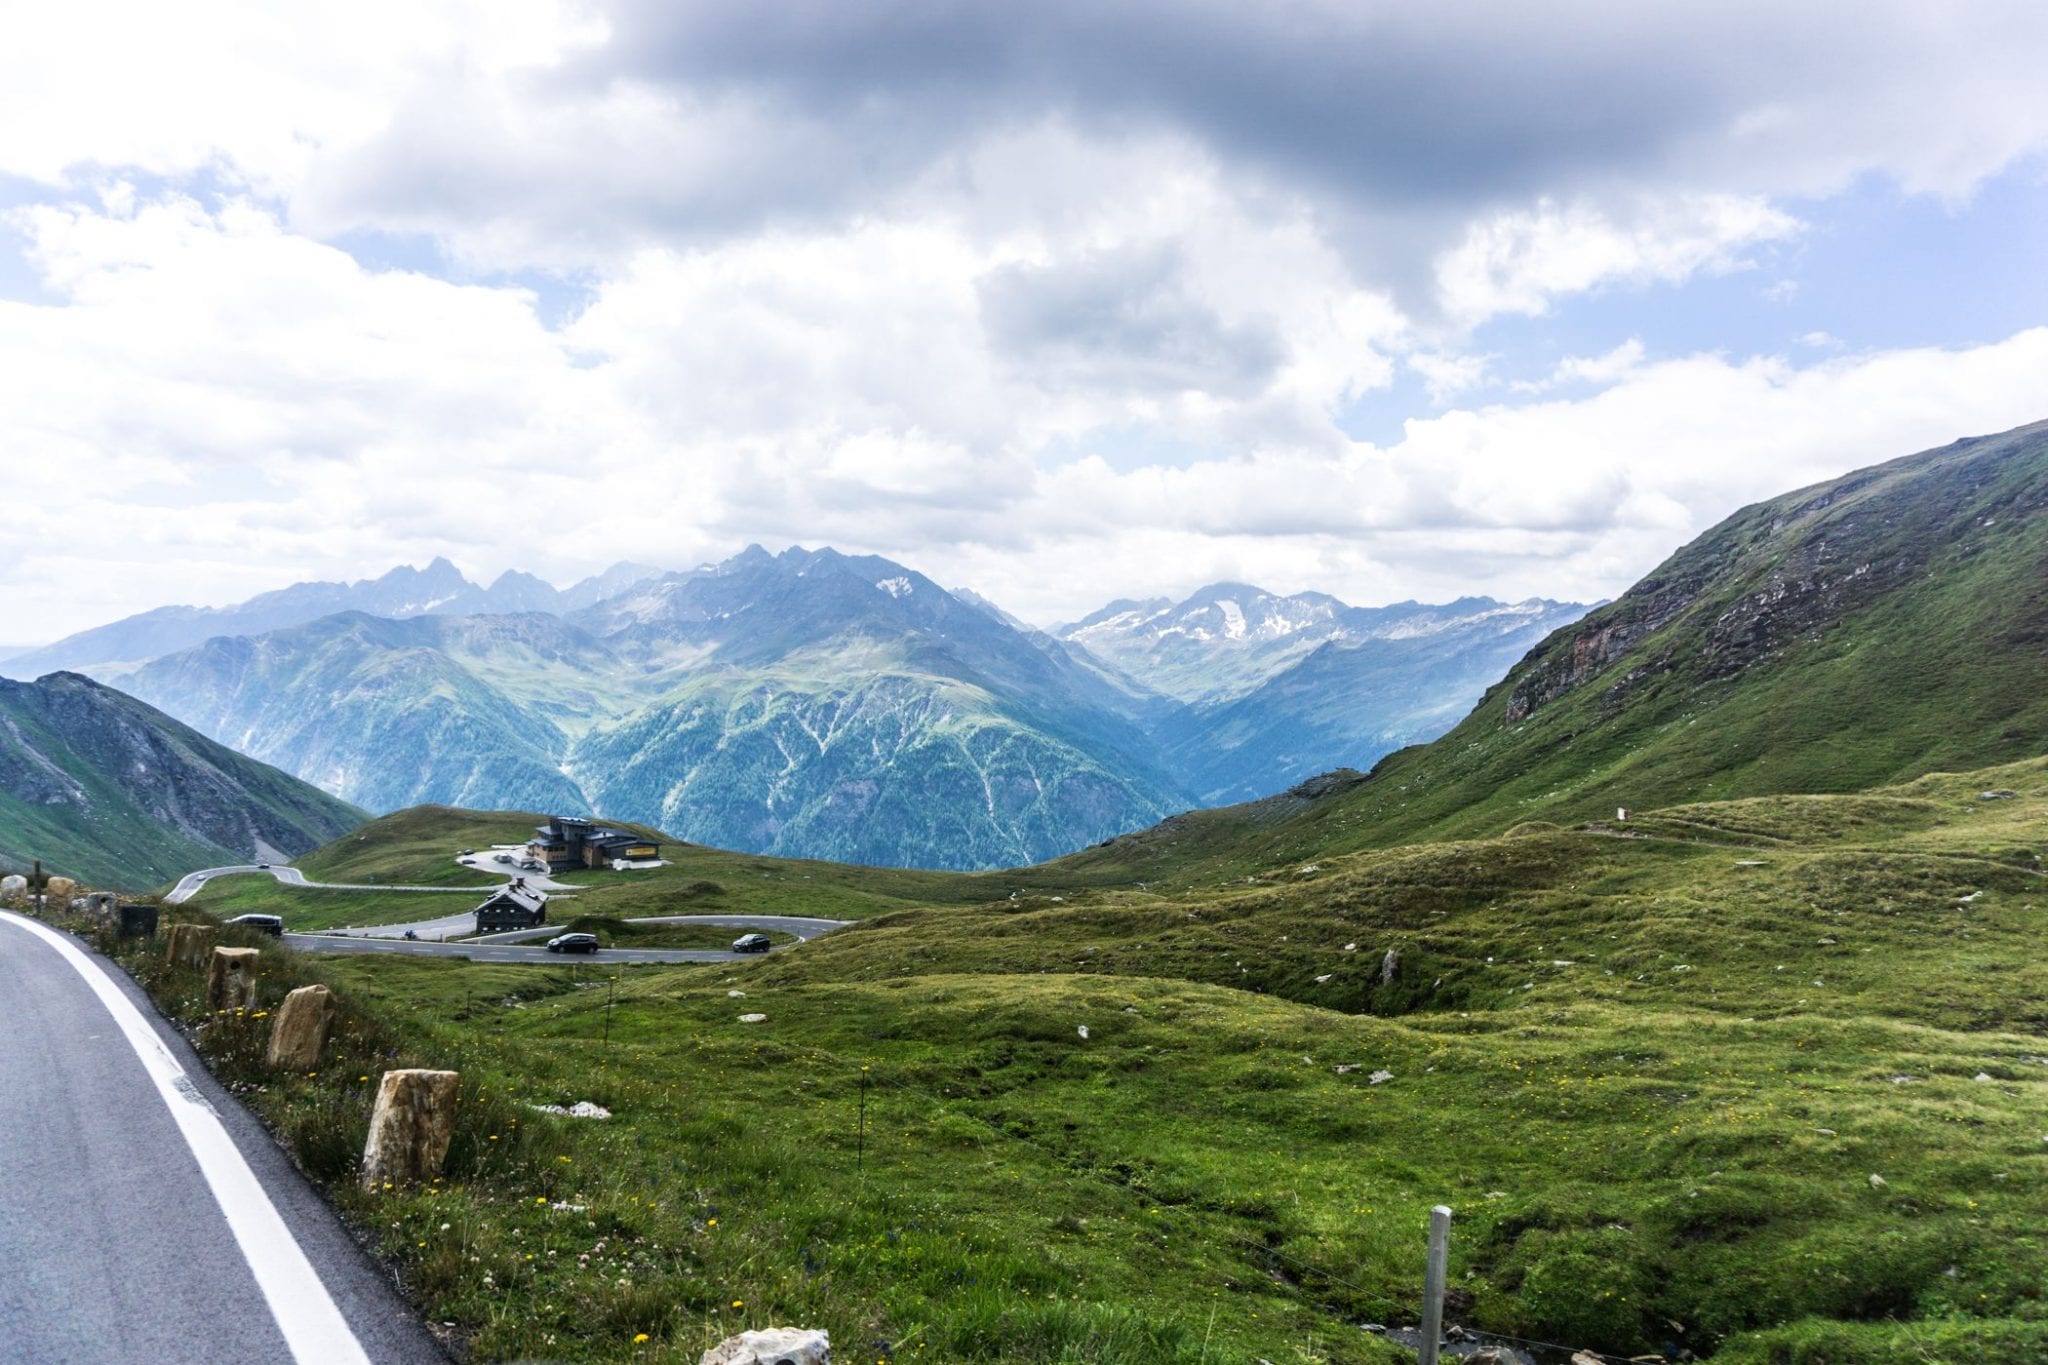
point(1523, 260)
point(218, 406)
point(1601, 369)
point(1446, 374)
point(251, 93)
point(943, 283)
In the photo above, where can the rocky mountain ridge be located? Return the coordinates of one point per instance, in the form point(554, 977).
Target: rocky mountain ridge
point(1865, 631)
point(100, 786)
point(820, 704)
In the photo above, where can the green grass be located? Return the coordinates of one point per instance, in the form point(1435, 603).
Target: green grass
point(1610, 1056)
point(308, 910)
point(417, 847)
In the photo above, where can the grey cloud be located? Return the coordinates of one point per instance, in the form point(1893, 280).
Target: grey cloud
point(1372, 101)
point(1123, 321)
point(1441, 102)
point(1399, 123)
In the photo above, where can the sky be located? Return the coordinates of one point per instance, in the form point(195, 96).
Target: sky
point(1063, 302)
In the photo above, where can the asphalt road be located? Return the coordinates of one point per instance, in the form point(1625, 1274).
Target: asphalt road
point(798, 925)
point(188, 885)
point(145, 1217)
point(506, 947)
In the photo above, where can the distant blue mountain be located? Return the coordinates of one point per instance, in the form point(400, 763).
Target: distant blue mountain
point(813, 703)
point(439, 589)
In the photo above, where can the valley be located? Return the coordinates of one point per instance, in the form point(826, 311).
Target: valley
point(1661, 1060)
point(1694, 970)
point(811, 704)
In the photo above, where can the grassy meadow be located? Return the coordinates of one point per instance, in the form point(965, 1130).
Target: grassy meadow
point(1764, 1080)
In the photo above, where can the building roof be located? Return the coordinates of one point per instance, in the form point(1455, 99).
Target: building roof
point(518, 894)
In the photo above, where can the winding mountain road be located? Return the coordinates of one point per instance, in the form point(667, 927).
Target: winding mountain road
point(147, 1217)
point(192, 883)
point(505, 947)
point(431, 936)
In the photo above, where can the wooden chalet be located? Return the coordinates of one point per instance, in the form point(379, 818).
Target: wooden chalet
point(517, 906)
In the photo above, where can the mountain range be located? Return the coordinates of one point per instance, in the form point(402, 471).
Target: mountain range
point(1274, 689)
point(97, 785)
point(808, 703)
point(438, 589)
point(1863, 631)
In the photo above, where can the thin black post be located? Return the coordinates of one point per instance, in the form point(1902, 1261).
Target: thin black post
point(860, 1149)
point(38, 881)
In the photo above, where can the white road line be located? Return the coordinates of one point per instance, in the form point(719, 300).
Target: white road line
point(313, 1327)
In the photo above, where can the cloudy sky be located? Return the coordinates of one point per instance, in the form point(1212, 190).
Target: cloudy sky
point(1062, 301)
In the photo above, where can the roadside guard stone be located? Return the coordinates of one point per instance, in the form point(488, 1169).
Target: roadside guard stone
point(190, 945)
point(298, 1032)
point(13, 886)
point(59, 890)
point(772, 1346)
point(231, 981)
point(411, 1127)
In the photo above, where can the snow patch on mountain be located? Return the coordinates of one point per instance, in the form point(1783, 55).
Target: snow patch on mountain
point(1233, 619)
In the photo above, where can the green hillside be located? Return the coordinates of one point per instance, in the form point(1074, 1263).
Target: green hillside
point(1653, 1071)
point(106, 789)
point(1889, 623)
point(417, 847)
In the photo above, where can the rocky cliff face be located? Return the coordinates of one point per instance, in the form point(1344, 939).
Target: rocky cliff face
point(1868, 630)
point(1786, 571)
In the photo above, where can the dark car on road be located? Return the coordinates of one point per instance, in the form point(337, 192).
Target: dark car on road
point(573, 943)
point(262, 924)
point(751, 943)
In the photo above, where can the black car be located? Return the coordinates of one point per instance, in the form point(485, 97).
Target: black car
point(573, 943)
point(751, 943)
point(263, 924)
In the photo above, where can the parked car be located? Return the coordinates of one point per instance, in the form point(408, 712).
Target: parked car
point(752, 943)
point(501, 857)
point(574, 943)
point(262, 924)
point(263, 867)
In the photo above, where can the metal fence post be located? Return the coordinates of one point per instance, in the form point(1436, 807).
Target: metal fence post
point(1433, 1282)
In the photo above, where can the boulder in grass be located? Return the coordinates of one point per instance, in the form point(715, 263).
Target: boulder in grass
point(772, 1346)
point(299, 1029)
point(231, 979)
point(411, 1127)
